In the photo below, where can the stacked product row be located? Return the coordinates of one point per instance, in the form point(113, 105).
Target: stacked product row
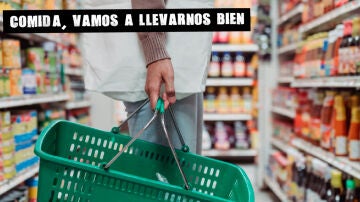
point(304, 178)
point(333, 53)
point(218, 100)
point(25, 193)
point(232, 65)
point(230, 135)
point(327, 118)
point(19, 129)
point(43, 70)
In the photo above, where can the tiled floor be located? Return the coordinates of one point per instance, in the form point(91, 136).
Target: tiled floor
point(260, 195)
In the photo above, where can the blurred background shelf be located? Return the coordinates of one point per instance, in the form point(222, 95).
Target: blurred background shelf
point(226, 117)
point(229, 82)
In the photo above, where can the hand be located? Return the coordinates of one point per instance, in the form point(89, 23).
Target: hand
point(160, 72)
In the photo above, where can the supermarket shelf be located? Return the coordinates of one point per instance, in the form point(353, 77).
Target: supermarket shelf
point(229, 82)
point(234, 48)
point(288, 48)
point(287, 79)
point(276, 189)
point(341, 163)
point(39, 37)
point(226, 117)
point(332, 18)
point(283, 111)
point(281, 145)
point(77, 104)
point(291, 14)
point(74, 71)
point(31, 100)
point(229, 153)
point(20, 177)
point(338, 82)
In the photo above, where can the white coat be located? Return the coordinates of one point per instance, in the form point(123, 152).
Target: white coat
point(114, 62)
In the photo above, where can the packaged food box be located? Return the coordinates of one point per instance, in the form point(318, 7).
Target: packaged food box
point(15, 82)
point(29, 81)
point(11, 53)
point(35, 58)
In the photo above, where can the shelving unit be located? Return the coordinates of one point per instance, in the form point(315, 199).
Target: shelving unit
point(38, 37)
point(330, 19)
point(287, 79)
point(229, 153)
point(226, 117)
point(229, 82)
point(283, 111)
point(294, 12)
point(234, 48)
point(20, 177)
point(77, 104)
point(276, 189)
point(12, 103)
point(341, 163)
point(338, 82)
point(288, 48)
point(31, 100)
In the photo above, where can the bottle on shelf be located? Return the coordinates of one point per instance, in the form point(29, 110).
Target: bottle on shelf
point(223, 101)
point(240, 135)
point(227, 65)
point(224, 37)
point(247, 100)
point(340, 126)
point(354, 130)
point(344, 48)
point(214, 68)
point(326, 117)
point(239, 65)
point(336, 186)
point(236, 103)
point(357, 190)
point(221, 138)
point(210, 100)
point(350, 191)
point(356, 44)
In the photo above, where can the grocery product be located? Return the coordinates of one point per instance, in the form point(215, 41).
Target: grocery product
point(223, 101)
point(326, 117)
point(340, 126)
point(221, 137)
point(354, 134)
point(247, 100)
point(35, 58)
point(242, 141)
point(223, 37)
point(227, 65)
point(236, 103)
point(11, 53)
point(28, 81)
point(214, 68)
point(15, 82)
point(239, 65)
point(210, 102)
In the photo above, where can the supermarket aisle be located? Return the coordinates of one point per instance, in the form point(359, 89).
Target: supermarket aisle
point(260, 195)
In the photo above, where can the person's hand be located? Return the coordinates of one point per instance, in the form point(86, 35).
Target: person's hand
point(160, 72)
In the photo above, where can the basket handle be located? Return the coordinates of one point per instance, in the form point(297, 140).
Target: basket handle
point(184, 146)
point(158, 109)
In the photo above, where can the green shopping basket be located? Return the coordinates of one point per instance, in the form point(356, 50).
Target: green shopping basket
point(71, 169)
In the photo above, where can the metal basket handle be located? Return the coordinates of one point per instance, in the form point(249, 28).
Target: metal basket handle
point(158, 109)
point(184, 146)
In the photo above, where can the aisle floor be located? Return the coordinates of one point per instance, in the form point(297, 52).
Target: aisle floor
point(260, 194)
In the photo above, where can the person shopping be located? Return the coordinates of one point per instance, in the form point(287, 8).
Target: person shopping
point(134, 66)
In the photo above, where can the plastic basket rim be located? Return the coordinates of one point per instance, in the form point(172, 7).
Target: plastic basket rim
point(111, 173)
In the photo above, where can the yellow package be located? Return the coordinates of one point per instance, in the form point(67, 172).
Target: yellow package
point(1, 53)
point(11, 53)
point(15, 82)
